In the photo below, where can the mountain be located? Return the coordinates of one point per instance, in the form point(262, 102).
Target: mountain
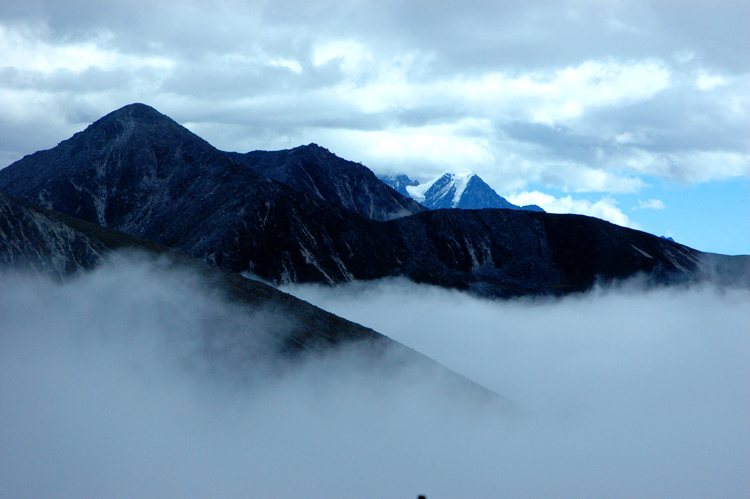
point(453, 190)
point(52, 244)
point(137, 171)
point(319, 173)
point(504, 253)
point(36, 240)
point(399, 183)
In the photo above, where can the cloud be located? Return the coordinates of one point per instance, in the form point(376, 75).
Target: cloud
point(25, 50)
point(138, 380)
point(606, 208)
point(634, 388)
point(277, 74)
point(625, 393)
point(651, 204)
point(704, 81)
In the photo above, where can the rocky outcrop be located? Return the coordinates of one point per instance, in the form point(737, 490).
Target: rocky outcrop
point(38, 241)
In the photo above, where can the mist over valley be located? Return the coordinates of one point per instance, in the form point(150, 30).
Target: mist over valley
point(107, 390)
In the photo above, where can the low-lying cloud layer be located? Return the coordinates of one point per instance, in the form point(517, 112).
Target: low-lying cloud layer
point(628, 393)
point(104, 393)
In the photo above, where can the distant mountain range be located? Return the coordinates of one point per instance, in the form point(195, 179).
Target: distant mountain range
point(305, 215)
point(453, 190)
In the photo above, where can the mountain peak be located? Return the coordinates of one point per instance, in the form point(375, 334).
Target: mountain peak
point(316, 171)
point(463, 189)
point(313, 150)
point(136, 107)
point(120, 124)
point(134, 112)
point(116, 171)
point(442, 192)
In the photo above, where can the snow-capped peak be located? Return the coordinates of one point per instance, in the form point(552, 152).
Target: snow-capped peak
point(448, 184)
point(463, 190)
point(460, 180)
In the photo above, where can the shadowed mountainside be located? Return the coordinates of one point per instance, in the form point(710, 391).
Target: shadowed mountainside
point(318, 172)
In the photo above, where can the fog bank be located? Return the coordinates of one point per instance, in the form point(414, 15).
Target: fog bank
point(104, 392)
point(628, 392)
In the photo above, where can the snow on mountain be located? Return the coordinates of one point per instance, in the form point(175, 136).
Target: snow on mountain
point(399, 183)
point(442, 192)
point(463, 190)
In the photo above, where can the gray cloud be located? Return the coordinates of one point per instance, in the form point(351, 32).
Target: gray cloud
point(630, 392)
point(597, 97)
point(238, 55)
point(625, 394)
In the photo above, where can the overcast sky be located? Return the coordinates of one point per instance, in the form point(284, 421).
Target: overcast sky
point(637, 112)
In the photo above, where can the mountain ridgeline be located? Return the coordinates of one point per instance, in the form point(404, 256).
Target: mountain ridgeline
point(319, 173)
point(305, 215)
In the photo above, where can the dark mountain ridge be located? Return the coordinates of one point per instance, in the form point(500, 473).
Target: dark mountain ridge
point(137, 171)
point(318, 172)
point(61, 247)
point(33, 239)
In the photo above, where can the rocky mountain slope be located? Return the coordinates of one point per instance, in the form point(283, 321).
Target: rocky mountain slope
point(34, 240)
point(453, 190)
point(398, 183)
point(137, 171)
point(38, 241)
point(319, 173)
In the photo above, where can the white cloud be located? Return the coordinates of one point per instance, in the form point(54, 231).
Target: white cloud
point(352, 55)
point(596, 84)
point(550, 97)
point(704, 81)
point(290, 64)
point(705, 166)
point(419, 151)
point(605, 208)
point(651, 204)
point(631, 386)
point(23, 50)
point(688, 166)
